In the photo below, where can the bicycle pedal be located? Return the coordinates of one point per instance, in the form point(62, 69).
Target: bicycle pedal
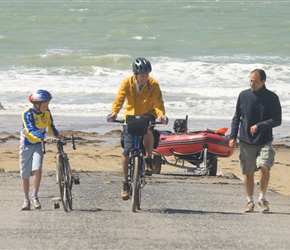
point(56, 202)
point(76, 180)
point(57, 199)
point(56, 205)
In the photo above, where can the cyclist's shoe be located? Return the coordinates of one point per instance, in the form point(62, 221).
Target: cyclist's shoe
point(249, 207)
point(149, 166)
point(36, 204)
point(125, 191)
point(26, 205)
point(263, 205)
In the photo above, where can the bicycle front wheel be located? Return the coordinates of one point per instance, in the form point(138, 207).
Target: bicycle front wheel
point(61, 180)
point(135, 186)
point(69, 184)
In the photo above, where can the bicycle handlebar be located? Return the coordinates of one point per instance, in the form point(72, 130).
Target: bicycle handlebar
point(151, 123)
point(62, 140)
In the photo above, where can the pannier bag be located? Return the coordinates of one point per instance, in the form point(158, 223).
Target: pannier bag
point(137, 125)
point(180, 126)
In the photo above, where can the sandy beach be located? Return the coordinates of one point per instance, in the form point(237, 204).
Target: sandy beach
point(102, 152)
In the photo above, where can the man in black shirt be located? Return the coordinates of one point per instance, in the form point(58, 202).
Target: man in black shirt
point(258, 111)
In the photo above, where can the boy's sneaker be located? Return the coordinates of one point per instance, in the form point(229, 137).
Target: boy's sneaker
point(26, 205)
point(125, 191)
point(249, 207)
point(263, 205)
point(36, 204)
point(149, 166)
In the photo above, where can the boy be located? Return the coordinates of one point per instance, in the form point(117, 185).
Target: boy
point(35, 120)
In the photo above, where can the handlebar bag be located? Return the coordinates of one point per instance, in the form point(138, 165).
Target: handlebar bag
point(137, 125)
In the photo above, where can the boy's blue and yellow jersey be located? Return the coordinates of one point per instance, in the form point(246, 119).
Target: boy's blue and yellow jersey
point(34, 125)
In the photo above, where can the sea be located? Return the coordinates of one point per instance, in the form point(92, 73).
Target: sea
point(202, 53)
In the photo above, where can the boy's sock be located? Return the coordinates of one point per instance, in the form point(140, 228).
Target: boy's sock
point(34, 193)
point(26, 197)
point(250, 199)
point(262, 197)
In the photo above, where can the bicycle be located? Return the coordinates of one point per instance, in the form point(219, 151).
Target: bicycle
point(64, 177)
point(137, 126)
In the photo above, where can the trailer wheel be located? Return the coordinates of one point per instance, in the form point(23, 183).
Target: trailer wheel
point(157, 164)
point(212, 166)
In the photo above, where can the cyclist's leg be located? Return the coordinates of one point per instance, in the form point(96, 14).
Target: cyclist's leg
point(37, 170)
point(37, 166)
point(148, 141)
point(25, 172)
point(125, 162)
point(128, 144)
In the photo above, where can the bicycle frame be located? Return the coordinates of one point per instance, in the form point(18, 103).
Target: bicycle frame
point(64, 176)
point(136, 171)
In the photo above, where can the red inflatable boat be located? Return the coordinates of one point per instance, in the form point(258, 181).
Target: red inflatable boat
point(199, 148)
point(194, 142)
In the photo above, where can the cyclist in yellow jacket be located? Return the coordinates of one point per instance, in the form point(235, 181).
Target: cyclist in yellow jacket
point(143, 97)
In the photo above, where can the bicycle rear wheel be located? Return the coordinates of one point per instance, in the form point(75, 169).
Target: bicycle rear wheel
point(135, 186)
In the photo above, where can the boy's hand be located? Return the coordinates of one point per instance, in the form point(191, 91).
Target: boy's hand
point(48, 140)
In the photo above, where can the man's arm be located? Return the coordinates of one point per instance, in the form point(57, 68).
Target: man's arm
point(119, 100)
point(158, 101)
point(276, 117)
point(236, 121)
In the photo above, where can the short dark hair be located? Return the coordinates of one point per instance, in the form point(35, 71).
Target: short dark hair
point(261, 73)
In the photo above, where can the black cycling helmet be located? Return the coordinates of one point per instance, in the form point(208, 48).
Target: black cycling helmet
point(141, 66)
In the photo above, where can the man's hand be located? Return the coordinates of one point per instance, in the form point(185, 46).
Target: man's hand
point(164, 119)
point(232, 143)
point(111, 118)
point(253, 129)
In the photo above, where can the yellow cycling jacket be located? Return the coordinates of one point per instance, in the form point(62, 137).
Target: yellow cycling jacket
point(34, 126)
point(148, 102)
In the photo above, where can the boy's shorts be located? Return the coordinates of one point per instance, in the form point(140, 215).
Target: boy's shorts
point(31, 159)
point(253, 157)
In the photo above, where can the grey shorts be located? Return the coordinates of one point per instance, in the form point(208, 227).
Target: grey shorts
point(31, 159)
point(253, 157)
point(129, 140)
